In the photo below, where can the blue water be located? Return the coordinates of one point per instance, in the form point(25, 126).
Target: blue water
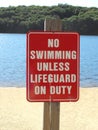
point(89, 61)
point(13, 60)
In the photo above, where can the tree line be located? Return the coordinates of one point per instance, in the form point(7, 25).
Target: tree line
point(21, 19)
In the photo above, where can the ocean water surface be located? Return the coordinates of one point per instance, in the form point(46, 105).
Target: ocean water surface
point(13, 60)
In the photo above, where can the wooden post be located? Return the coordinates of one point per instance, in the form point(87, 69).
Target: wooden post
point(52, 109)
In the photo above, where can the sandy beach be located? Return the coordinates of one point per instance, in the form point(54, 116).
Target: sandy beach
point(16, 113)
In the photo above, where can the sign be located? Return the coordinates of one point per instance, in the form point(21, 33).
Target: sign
point(53, 60)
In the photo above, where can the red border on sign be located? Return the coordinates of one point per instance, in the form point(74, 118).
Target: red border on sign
point(27, 69)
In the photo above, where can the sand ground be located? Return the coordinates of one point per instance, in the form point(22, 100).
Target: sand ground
point(16, 113)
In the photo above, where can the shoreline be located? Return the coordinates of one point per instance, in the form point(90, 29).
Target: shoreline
point(16, 113)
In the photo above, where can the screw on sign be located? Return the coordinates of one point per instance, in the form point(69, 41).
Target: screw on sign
point(53, 66)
